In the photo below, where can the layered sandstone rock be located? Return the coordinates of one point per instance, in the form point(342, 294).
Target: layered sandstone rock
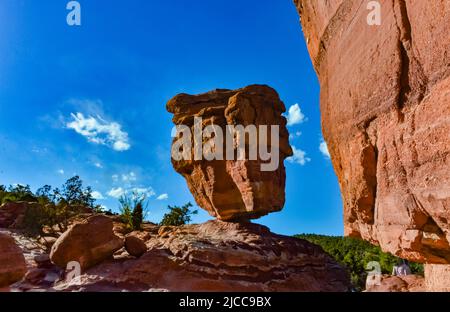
point(233, 189)
point(12, 261)
point(385, 103)
point(219, 256)
point(89, 242)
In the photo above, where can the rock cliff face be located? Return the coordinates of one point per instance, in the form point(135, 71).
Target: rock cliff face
point(385, 103)
point(437, 277)
point(233, 189)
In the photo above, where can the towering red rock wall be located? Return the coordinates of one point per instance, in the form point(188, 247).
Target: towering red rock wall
point(385, 103)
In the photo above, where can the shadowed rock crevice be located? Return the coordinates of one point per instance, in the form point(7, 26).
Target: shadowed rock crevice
point(410, 71)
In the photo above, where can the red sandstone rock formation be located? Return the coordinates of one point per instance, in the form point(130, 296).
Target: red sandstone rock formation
point(234, 189)
point(218, 256)
point(12, 213)
point(406, 283)
point(437, 277)
point(12, 261)
point(385, 103)
point(214, 256)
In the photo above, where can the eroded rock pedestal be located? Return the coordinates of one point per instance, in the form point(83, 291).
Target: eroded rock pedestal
point(218, 256)
point(234, 189)
point(385, 103)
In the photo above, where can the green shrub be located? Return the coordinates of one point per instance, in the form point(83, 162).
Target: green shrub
point(16, 193)
point(178, 215)
point(50, 209)
point(132, 210)
point(137, 216)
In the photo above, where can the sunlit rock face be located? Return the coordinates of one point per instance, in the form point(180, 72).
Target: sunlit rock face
point(385, 103)
point(237, 188)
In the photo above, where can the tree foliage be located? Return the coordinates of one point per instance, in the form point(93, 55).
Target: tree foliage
point(49, 208)
point(178, 215)
point(355, 254)
point(15, 193)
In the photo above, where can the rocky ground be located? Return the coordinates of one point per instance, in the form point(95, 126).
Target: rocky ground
point(213, 256)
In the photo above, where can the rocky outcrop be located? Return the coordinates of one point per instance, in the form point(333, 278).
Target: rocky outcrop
point(406, 283)
point(88, 242)
point(12, 213)
point(385, 104)
point(213, 256)
point(12, 261)
point(233, 189)
point(219, 256)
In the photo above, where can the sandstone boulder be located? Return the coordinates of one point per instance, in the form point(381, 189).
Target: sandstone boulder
point(233, 189)
point(88, 242)
point(135, 246)
point(10, 212)
point(12, 261)
point(385, 105)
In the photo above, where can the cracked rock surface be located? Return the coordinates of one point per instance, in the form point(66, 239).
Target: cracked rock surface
point(385, 104)
point(234, 189)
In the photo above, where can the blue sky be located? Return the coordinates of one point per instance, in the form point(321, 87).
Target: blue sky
point(116, 72)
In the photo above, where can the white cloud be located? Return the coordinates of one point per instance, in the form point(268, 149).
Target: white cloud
point(295, 135)
point(147, 191)
point(99, 131)
point(299, 157)
point(116, 192)
point(129, 177)
point(162, 197)
point(97, 195)
point(323, 147)
point(295, 115)
point(61, 171)
point(98, 165)
point(115, 177)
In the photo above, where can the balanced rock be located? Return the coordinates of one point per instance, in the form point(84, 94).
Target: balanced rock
point(135, 246)
point(88, 243)
point(12, 261)
point(232, 188)
point(385, 104)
